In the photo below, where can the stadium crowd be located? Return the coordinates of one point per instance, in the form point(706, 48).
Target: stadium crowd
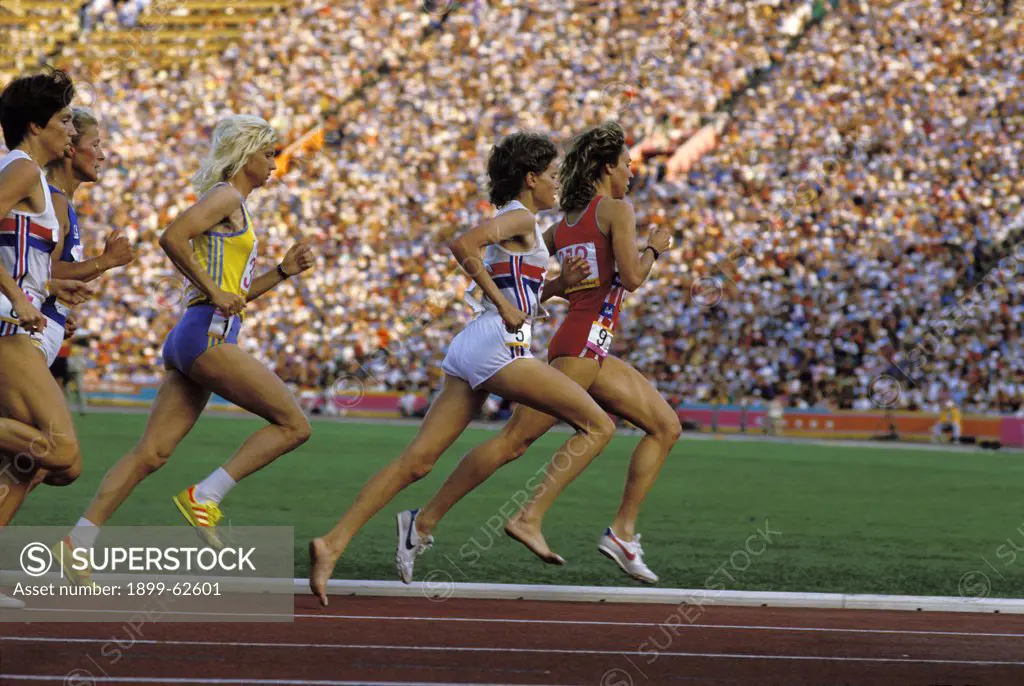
point(865, 171)
point(885, 154)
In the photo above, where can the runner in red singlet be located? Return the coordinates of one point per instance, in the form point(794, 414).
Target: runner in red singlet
point(599, 227)
point(594, 304)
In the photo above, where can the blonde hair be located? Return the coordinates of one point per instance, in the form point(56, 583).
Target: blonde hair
point(584, 163)
point(235, 138)
point(82, 118)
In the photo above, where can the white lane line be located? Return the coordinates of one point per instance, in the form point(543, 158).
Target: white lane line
point(520, 651)
point(566, 622)
point(743, 627)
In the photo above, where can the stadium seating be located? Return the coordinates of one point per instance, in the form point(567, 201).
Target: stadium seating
point(846, 202)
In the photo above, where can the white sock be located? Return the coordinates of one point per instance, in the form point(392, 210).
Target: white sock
point(214, 487)
point(84, 534)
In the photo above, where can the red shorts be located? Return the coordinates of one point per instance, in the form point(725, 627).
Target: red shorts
point(571, 338)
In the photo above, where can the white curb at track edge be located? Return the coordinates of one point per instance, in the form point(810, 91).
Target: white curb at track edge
point(666, 596)
point(440, 590)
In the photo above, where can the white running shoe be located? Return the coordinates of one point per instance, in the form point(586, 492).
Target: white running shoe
point(9, 603)
point(410, 544)
point(628, 555)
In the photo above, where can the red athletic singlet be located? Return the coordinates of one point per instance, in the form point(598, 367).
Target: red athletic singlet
point(594, 304)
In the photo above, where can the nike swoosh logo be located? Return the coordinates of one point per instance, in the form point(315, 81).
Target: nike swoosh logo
point(408, 535)
point(629, 556)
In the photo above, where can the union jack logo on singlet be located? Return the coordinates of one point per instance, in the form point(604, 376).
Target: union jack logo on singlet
point(519, 281)
point(26, 248)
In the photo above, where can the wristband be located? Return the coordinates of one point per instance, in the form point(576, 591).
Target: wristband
point(284, 277)
point(656, 253)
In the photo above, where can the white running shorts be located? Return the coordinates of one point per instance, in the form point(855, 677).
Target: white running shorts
point(484, 348)
point(50, 340)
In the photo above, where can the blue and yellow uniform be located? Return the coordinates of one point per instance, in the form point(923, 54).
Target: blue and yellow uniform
point(229, 257)
point(51, 340)
point(52, 309)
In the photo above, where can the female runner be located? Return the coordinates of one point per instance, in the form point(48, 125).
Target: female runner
point(201, 354)
point(79, 164)
point(37, 127)
point(491, 355)
point(599, 227)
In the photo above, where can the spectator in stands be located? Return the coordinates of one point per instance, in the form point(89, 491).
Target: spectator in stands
point(949, 422)
point(853, 202)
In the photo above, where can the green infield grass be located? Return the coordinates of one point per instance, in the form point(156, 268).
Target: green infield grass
point(765, 515)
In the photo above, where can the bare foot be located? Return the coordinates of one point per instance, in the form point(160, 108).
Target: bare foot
point(530, 536)
point(320, 568)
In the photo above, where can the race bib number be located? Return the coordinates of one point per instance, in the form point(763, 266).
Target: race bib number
point(588, 252)
point(9, 314)
point(519, 339)
point(600, 339)
point(250, 269)
point(219, 326)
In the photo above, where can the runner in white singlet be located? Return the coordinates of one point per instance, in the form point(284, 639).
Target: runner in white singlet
point(507, 258)
point(38, 432)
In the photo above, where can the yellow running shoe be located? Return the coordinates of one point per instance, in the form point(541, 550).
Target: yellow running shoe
point(63, 551)
point(203, 516)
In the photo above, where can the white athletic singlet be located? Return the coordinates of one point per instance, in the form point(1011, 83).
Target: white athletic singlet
point(486, 346)
point(519, 276)
point(27, 241)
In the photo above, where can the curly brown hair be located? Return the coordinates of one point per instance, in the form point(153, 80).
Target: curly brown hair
point(512, 159)
point(584, 163)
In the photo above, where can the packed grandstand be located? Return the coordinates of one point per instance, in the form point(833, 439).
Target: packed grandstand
point(843, 179)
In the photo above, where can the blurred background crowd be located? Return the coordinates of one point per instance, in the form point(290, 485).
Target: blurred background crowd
point(861, 202)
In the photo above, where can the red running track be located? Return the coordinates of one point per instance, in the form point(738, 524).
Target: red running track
point(361, 640)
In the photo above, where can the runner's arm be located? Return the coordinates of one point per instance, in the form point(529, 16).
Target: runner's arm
point(633, 267)
point(468, 249)
point(209, 211)
point(575, 269)
point(16, 181)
